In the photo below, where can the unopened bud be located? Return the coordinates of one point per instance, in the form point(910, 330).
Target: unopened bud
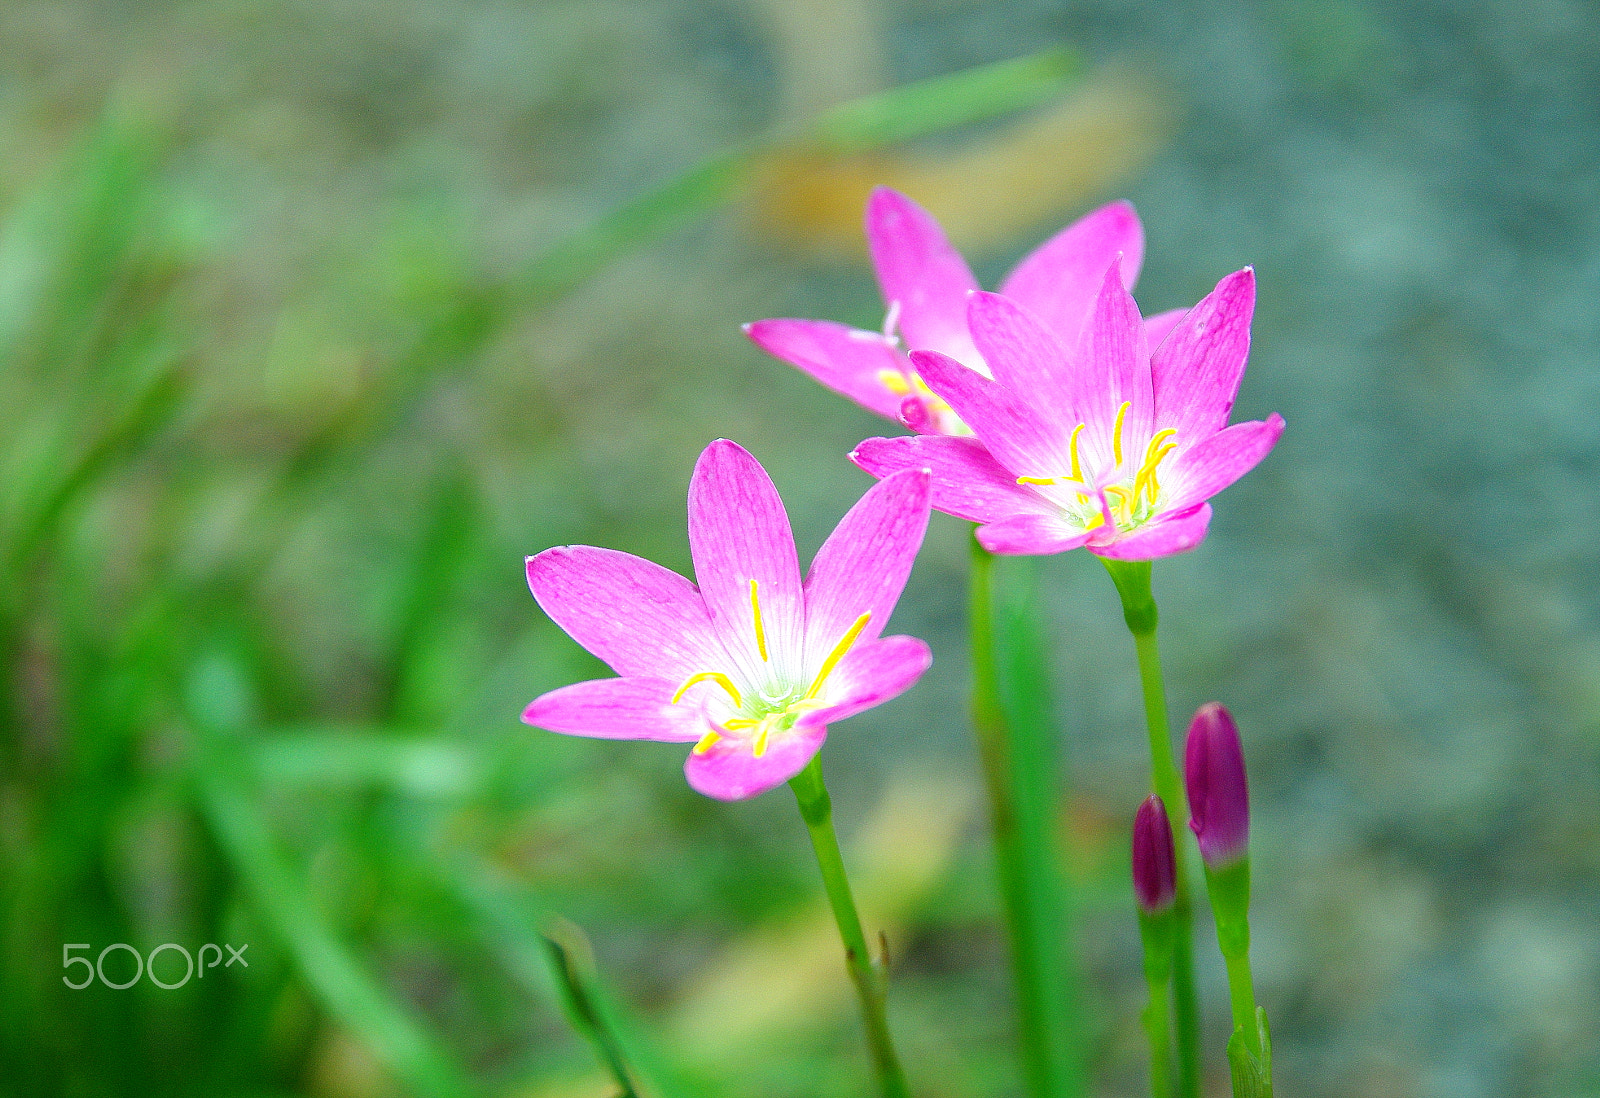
point(1155, 869)
point(1219, 796)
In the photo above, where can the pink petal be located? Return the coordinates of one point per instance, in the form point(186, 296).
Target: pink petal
point(1027, 358)
point(738, 532)
point(1031, 535)
point(1018, 436)
point(862, 567)
point(967, 482)
point(637, 616)
point(846, 360)
point(1198, 368)
point(1169, 534)
point(918, 268)
point(618, 709)
point(871, 675)
point(1059, 280)
point(729, 771)
point(1114, 361)
point(1158, 327)
point(1203, 471)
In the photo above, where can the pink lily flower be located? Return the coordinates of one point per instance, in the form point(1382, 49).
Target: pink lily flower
point(1107, 446)
point(925, 284)
point(753, 665)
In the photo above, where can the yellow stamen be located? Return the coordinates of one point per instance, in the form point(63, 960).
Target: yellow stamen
point(837, 654)
point(1096, 519)
point(755, 609)
point(1036, 480)
point(707, 742)
point(759, 748)
point(1116, 431)
point(739, 724)
point(895, 382)
point(1123, 496)
point(710, 676)
point(1077, 470)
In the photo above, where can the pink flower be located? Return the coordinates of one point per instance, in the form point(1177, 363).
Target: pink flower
point(925, 284)
point(754, 664)
point(1107, 445)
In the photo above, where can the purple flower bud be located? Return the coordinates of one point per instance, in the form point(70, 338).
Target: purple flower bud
point(1219, 796)
point(1155, 869)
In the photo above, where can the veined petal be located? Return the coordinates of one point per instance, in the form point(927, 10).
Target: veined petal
point(862, 567)
point(1169, 534)
point(846, 360)
point(871, 675)
point(967, 481)
point(739, 532)
point(1198, 367)
point(918, 268)
point(1114, 361)
point(1158, 327)
point(1031, 535)
point(1058, 281)
point(1019, 437)
point(617, 709)
point(640, 618)
point(729, 770)
point(1026, 357)
point(1203, 471)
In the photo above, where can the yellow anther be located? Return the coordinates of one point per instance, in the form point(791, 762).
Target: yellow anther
point(1072, 443)
point(759, 747)
point(707, 742)
point(895, 382)
point(739, 724)
point(1036, 480)
point(709, 676)
point(1096, 519)
point(1116, 431)
point(1123, 495)
point(1155, 442)
point(837, 654)
point(755, 609)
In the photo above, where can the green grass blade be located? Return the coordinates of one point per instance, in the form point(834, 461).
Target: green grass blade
point(346, 989)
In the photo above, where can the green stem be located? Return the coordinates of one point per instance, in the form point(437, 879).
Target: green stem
point(1020, 775)
point(871, 985)
point(1139, 611)
point(1242, 998)
point(1158, 1028)
point(1156, 934)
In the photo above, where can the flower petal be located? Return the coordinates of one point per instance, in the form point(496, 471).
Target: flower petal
point(640, 618)
point(871, 675)
point(1113, 360)
point(617, 709)
point(1059, 279)
point(738, 532)
point(1158, 327)
point(1169, 534)
point(1019, 437)
point(1203, 471)
point(1198, 367)
point(918, 268)
point(1026, 357)
point(1031, 535)
point(846, 360)
point(729, 771)
point(862, 567)
point(967, 481)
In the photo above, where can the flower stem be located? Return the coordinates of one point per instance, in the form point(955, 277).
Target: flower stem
point(1139, 611)
point(867, 975)
point(1021, 775)
point(1229, 887)
point(1156, 932)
